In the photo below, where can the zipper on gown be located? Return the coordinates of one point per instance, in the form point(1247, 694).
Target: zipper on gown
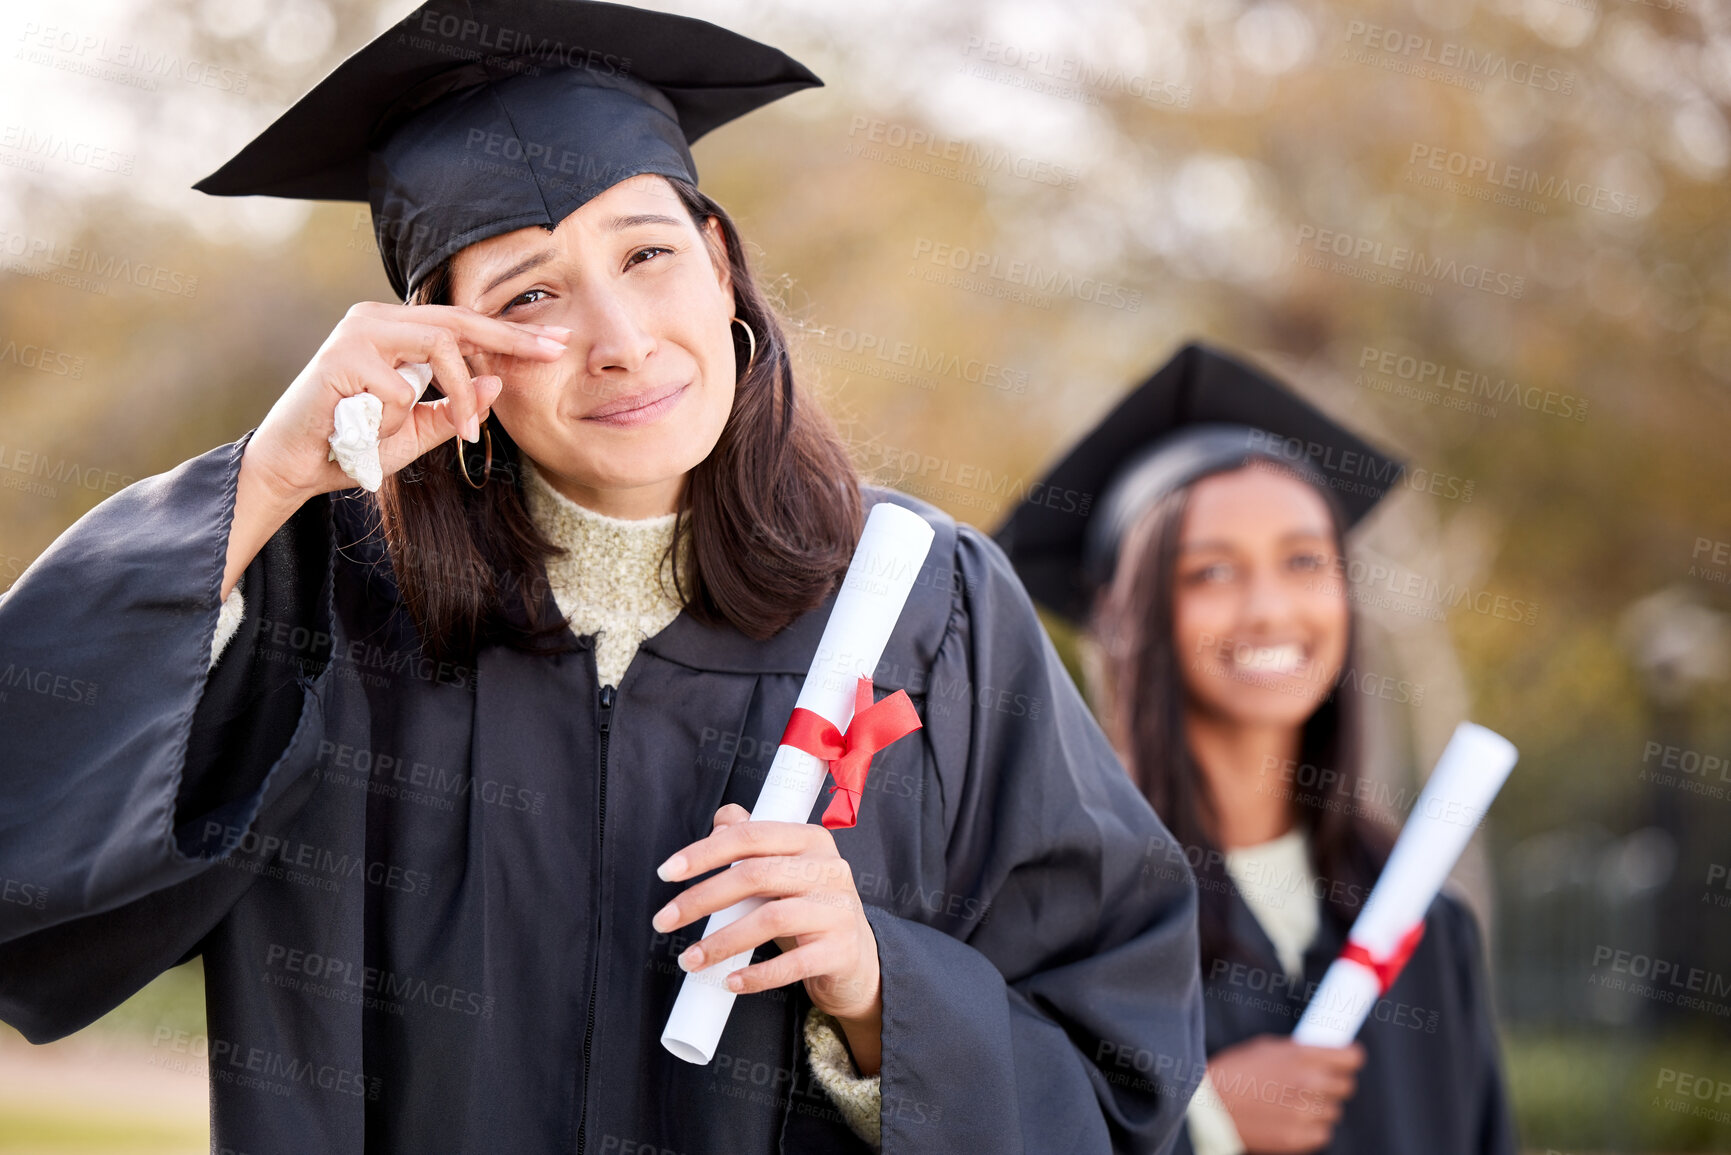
point(604, 723)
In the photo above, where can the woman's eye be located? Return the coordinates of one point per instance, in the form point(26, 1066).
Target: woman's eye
point(1218, 572)
point(522, 299)
point(644, 253)
point(1309, 562)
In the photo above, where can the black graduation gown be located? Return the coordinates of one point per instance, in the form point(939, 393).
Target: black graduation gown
point(422, 892)
point(1431, 1083)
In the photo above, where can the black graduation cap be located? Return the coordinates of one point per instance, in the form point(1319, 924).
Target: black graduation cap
point(1202, 412)
point(471, 118)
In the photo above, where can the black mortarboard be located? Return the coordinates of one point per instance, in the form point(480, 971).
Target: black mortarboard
point(1202, 412)
point(471, 118)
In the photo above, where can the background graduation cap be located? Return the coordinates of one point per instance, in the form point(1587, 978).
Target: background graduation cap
point(471, 118)
point(1202, 412)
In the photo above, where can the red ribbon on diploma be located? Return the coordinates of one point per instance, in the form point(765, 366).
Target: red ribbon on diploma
point(874, 726)
point(1385, 969)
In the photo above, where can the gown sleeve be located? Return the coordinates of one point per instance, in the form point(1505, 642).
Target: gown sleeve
point(1495, 1125)
point(1068, 1015)
point(135, 762)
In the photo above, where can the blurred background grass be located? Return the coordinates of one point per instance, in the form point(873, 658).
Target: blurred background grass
point(117, 1086)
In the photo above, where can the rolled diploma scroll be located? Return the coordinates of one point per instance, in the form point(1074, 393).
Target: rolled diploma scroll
point(1473, 767)
point(878, 581)
point(355, 441)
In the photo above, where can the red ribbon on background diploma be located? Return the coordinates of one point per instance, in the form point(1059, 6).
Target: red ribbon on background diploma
point(1386, 969)
point(874, 726)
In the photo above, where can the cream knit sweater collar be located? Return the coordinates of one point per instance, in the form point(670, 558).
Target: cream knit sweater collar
point(615, 578)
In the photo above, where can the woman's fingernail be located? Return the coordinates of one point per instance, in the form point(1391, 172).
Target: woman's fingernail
point(556, 330)
point(665, 918)
point(472, 428)
point(673, 866)
point(551, 345)
point(735, 983)
point(692, 959)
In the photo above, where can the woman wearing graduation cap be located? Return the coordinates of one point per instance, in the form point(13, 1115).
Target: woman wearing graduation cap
point(1210, 568)
point(437, 781)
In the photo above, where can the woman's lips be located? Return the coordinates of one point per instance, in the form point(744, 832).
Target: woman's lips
point(638, 408)
point(1264, 664)
point(1283, 659)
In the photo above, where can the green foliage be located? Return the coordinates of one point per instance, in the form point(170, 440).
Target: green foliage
point(1592, 1091)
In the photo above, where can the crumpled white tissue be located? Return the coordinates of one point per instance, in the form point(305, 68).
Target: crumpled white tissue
point(355, 442)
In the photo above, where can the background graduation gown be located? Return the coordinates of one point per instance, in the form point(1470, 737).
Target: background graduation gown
point(1430, 1084)
point(422, 892)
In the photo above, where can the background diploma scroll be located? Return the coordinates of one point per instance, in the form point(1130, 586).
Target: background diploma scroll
point(1473, 767)
point(879, 579)
point(355, 441)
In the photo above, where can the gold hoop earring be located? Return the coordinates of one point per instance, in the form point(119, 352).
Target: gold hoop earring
point(487, 469)
point(751, 339)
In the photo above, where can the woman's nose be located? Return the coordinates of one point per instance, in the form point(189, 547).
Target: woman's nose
point(607, 333)
point(1267, 601)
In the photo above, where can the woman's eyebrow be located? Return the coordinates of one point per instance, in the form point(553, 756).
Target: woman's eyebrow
point(1222, 545)
point(518, 269)
point(620, 224)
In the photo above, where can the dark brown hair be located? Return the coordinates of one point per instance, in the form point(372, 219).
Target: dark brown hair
point(1145, 709)
point(771, 515)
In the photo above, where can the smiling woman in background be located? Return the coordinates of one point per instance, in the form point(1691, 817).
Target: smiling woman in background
point(1212, 570)
point(403, 767)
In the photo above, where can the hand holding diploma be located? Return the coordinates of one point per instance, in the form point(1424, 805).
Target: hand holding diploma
point(1473, 767)
point(816, 917)
point(1308, 1085)
point(787, 881)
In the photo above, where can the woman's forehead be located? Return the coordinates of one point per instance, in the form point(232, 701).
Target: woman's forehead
point(1255, 500)
point(633, 200)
